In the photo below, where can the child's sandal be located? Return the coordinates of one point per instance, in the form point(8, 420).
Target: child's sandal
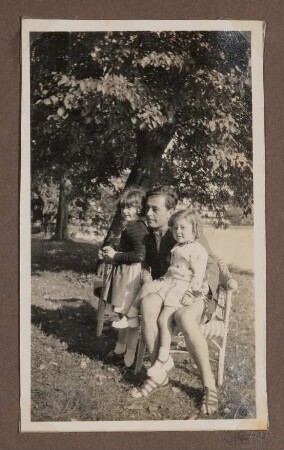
point(149, 387)
point(209, 404)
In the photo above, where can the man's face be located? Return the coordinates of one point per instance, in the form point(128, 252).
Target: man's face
point(157, 214)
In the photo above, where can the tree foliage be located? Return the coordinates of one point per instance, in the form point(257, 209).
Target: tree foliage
point(173, 107)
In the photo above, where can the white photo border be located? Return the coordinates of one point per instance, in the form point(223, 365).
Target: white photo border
point(257, 43)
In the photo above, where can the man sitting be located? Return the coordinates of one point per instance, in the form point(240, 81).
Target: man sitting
point(160, 205)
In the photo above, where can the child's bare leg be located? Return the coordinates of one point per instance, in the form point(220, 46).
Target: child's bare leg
point(130, 318)
point(165, 323)
point(120, 345)
point(131, 344)
point(164, 361)
point(135, 307)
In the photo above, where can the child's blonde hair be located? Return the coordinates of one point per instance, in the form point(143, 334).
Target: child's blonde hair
point(133, 197)
point(191, 216)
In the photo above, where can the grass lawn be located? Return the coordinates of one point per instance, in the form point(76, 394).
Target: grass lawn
point(71, 380)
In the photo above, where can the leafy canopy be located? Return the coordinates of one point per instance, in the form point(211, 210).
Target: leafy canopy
point(93, 94)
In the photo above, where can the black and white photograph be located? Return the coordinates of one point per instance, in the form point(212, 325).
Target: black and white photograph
point(142, 252)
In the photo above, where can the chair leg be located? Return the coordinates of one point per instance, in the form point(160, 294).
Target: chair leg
point(140, 354)
point(221, 364)
point(100, 317)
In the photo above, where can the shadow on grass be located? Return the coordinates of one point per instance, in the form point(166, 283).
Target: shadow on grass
point(74, 323)
point(55, 256)
point(192, 392)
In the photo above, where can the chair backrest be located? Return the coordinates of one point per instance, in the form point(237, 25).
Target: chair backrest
point(222, 314)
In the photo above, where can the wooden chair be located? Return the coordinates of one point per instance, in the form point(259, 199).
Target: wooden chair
point(215, 330)
point(99, 288)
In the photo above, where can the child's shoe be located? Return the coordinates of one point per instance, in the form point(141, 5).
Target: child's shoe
point(122, 323)
point(161, 366)
point(126, 323)
point(116, 356)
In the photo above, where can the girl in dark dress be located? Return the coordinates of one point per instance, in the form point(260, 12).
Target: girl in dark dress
point(125, 278)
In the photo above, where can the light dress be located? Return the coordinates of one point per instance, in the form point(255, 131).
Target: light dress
point(186, 274)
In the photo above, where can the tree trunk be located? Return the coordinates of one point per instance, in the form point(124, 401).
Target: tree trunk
point(62, 215)
point(145, 173)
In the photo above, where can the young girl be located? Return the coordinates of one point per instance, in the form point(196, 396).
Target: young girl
point(125, 278)
point(186, 274)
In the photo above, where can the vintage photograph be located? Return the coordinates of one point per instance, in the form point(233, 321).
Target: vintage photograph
point(142, 226)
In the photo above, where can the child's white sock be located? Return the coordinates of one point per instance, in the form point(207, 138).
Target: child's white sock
point(119, 348)
point(129, 357)
point(164, 353)
point(161, 365)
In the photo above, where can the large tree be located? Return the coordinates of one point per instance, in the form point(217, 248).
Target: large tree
point(174, 107)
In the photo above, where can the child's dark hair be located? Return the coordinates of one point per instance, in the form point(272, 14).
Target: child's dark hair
point(134, 196)
point(191, 216)
point(170, 195)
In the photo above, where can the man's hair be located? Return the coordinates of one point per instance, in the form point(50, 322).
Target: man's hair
point(170, 195)
point(191, 216)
